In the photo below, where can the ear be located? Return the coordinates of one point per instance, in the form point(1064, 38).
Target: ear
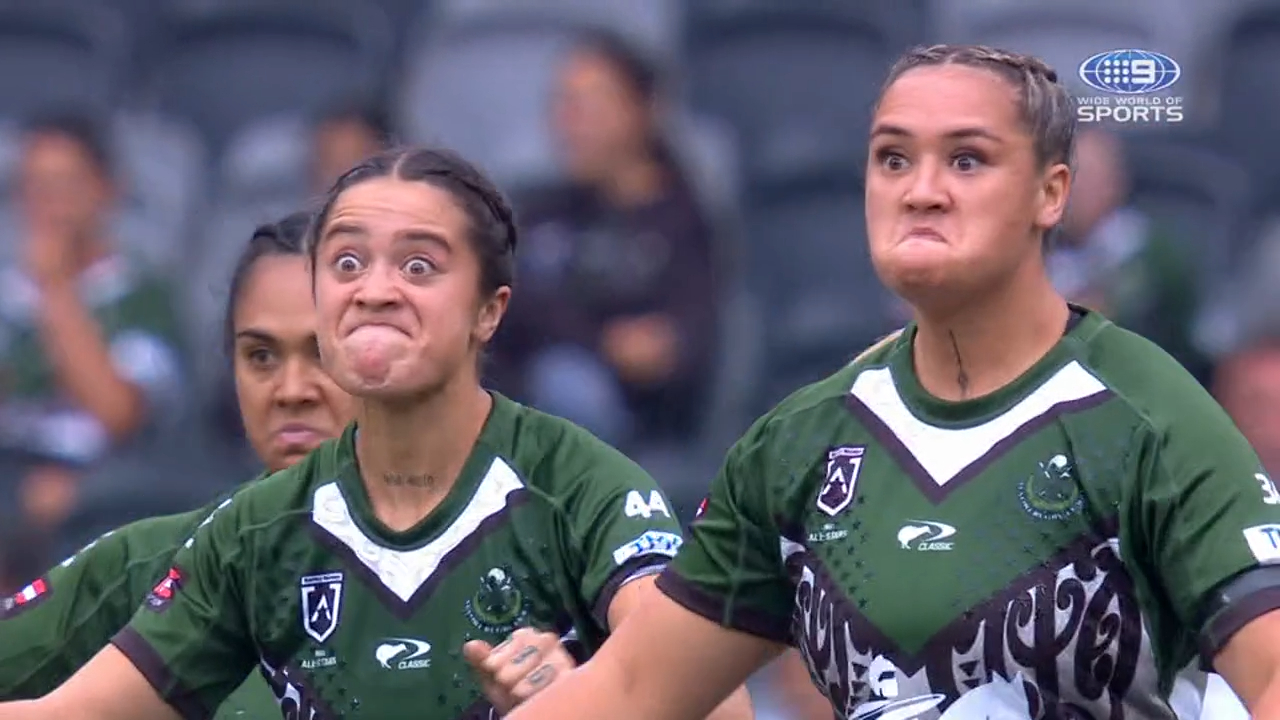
point(490, 315)
point(1055, 188)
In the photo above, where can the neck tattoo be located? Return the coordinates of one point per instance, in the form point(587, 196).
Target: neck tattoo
point(408, 480)
point(962, 377)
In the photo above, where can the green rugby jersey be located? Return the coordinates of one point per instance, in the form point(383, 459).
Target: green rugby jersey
point(61, 620)
point(347, 618)
point(1047, 551)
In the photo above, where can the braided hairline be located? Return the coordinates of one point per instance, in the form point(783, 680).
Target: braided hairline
point(1047, 108)
point(496, 206)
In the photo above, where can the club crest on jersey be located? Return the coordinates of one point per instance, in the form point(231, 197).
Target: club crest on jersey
point(843, 465)
point(165, 590)
point(321, 604)
point(1051, 493)
point(498, 607)
point(25, 599)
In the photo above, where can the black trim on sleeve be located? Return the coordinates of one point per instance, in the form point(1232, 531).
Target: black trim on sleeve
point(1236, 603)
point(717, 610)
point(632, 569)
point(156, 671)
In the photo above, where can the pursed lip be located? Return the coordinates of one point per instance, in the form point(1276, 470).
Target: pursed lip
point(376, 324)
point(298, 435)
point(926, 233)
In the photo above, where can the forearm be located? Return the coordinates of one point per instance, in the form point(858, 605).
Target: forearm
point(23, 710)
point(735, 707)
point(596, 689)
point(1267, 706)
point(76, 349)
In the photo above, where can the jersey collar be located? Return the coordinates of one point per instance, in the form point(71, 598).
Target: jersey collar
point(496, 428)
point(966, 413)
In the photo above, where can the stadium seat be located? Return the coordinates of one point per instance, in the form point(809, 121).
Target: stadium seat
point(268, 157)
point(163, 169)
point(810, 269)
point(480, 80)
point(656, 23)
point(57, 54)
point(221, 65)
point(794, 79)
point(226, 229)
point(1066, 34)
point(1194, 191)
point(1250, 109)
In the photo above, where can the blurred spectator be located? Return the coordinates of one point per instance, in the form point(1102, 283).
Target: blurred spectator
point(22, 559)
point(344, 136)
point(1247, 384)
point(1113, 258)
point(615, 324)
point(87, 349)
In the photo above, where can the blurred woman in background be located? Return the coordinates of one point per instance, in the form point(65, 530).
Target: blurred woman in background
point(615, 328)
point(288, 405)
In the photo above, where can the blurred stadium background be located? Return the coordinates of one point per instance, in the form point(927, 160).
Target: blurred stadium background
point(221, 113)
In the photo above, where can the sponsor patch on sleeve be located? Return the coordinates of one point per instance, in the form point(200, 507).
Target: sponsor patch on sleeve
point(702, 508)
point(164, 591)
point(25, 599)
point(653, 542)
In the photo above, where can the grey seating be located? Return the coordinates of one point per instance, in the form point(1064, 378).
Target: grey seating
point(810, 269)
point(59, 54)
point(1250, 101)
point(794, 78)
point(223, 64)
point(1066, 34)
point(480, 80)
point(1196, 192)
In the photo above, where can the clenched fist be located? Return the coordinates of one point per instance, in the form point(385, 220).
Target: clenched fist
point(519, 668)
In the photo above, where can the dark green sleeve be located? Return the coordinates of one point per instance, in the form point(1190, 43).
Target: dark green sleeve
point(620, 523)
point(62, 619)
point(1202, 512)
point(731, 571)
point(191, 637)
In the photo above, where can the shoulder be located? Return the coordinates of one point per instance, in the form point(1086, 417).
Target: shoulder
point(818, 409)
point(272, 500)
point(1161, 393)
point(554, 454)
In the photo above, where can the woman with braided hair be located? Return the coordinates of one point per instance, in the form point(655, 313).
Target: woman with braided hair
point(1011, 509)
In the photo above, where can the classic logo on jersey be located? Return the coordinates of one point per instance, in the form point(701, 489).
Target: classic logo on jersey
point(653, 542)
point(498, 607)
point(1052, 492)
point(1264, 542)
point(925, 536)
point(25, 599)
point(321, 604)
point(403, 654)
point(843, 465)
point(163, 593)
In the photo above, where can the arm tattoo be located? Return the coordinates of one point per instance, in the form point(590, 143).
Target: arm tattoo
point(962, 377)
point(525, 653)
point(403, 480)
point(543, 675)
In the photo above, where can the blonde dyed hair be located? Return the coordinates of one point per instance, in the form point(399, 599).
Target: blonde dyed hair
point(882, 342)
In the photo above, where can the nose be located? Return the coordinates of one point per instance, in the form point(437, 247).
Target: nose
point(926, 189)
point(297, 384)
point(377, 289)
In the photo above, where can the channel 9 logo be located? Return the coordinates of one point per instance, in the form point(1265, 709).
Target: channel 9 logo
point(1134, 85)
